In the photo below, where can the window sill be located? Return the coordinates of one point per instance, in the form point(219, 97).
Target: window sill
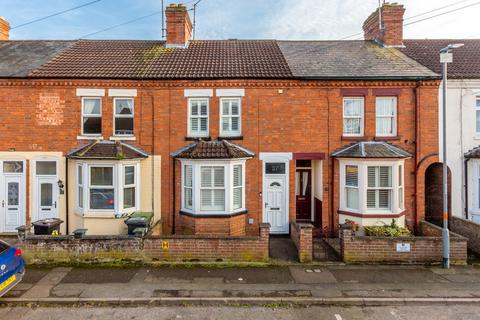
point(231, 138)
point(89, 137)
point(208, 138)
point(387, 138)
point(213, 215)
point(354, 138)
point(371, 215)
point(125, 138)
point(476, 137)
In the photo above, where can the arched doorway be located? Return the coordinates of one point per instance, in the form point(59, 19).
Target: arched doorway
point(434, 193)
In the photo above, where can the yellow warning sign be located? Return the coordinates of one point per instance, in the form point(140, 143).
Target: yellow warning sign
point(165, 245)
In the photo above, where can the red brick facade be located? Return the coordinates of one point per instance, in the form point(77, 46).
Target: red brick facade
point(179, 26)
point(277, 116)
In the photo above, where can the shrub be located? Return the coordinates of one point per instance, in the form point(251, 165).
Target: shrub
point(392, 230)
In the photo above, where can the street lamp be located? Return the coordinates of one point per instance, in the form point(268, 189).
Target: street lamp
point(446, 57)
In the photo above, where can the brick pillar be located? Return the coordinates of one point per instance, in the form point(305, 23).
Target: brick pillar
point(305, 252)
point(346, 235)
point(4, 29)
point(265, 240)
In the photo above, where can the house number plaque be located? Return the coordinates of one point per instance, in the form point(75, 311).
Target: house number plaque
point(403, 247)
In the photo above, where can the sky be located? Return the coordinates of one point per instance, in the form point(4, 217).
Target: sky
point(235, 19)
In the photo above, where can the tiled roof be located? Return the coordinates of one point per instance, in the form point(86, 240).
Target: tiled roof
point(19, 58)
point(473, 154)
point(350, 59)
point(466, 60)
point(137, 59)
point(371, 149)
point(212, 150)
point(106, 149)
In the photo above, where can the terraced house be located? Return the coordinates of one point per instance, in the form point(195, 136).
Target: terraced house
point(216, 137)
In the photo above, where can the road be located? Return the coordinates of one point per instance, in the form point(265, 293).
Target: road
point(457, 312)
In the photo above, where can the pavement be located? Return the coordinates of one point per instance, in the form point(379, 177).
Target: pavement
point(359, 285)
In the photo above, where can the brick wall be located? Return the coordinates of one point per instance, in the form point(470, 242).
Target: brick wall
point(214, 226)
point(423, 249)
point(469, 230)
point(67, 249)
point(301, 234)
point(307, 118)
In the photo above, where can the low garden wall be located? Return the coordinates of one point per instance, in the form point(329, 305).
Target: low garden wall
point(301, 235)
point(423, 249)
point(468, 229)
point(111, 249)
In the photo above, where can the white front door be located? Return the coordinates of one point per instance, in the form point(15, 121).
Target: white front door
point(12, 213)
point(47, 199)
point(275, 204)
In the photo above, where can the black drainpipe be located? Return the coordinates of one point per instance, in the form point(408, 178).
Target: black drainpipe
point(466, 188)
point(66, 195)
point(174, 195)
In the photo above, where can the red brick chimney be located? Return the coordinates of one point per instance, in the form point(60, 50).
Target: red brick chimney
point(4, 29)
point(385, 25)
point(179, 26)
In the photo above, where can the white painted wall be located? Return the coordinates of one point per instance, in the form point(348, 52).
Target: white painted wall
point(461, 137)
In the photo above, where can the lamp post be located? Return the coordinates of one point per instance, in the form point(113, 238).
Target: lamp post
point(446, 57)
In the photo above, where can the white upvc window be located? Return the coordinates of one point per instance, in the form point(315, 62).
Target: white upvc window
point(198, 121)
point(386, 116)
point(367, 186)
point(353, 111)
point(91, 116)
point(477, 115)
point(351, 187)
point(379, 187)
point(213, 187)
point(107, 187)
point(80, 187)
point(230, 117)
point(123, 116)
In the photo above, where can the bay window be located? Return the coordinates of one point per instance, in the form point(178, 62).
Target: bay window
point(213, 187)
point(368, 186)
point(477, 115)
point(105, 187)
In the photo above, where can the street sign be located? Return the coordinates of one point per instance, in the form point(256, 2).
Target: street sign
point(446, 57)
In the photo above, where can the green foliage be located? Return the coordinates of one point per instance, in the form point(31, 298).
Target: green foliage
point(392, 230)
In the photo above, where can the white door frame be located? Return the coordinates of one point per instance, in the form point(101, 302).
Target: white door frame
point(36, 191)
point(22, 195)
point(279, 157)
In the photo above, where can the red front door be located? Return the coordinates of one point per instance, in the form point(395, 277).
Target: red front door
point(303, 193)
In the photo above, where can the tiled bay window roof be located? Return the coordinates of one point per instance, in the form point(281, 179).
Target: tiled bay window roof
point(213, 150)
point(371, 149)
point(107, 150)
point(473, 153)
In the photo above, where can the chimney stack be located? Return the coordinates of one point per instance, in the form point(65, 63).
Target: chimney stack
point(385, 25)
point(179, 26)
point(4, 29)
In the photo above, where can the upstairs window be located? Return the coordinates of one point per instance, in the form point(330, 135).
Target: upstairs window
point(353, 116)
point(198, 117)
point(386, 113)
point(230, 116)
point(123, 116)
point(477, 115)
point(91, 116)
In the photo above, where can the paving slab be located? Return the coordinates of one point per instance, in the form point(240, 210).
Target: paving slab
point(38, 291)
point(301, 275)
point(99, 275)
point(68, 290)
point(54, 276)
point(375, 275)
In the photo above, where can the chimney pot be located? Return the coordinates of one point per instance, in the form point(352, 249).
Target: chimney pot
point(179, 26)
point(385, 25)
point(4, 29)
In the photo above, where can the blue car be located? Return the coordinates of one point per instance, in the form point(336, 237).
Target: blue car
point(12, 267)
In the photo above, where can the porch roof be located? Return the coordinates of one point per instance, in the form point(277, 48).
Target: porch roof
point(108, 150)
point(473, 153)
point(371, 149)
point(213, 150)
